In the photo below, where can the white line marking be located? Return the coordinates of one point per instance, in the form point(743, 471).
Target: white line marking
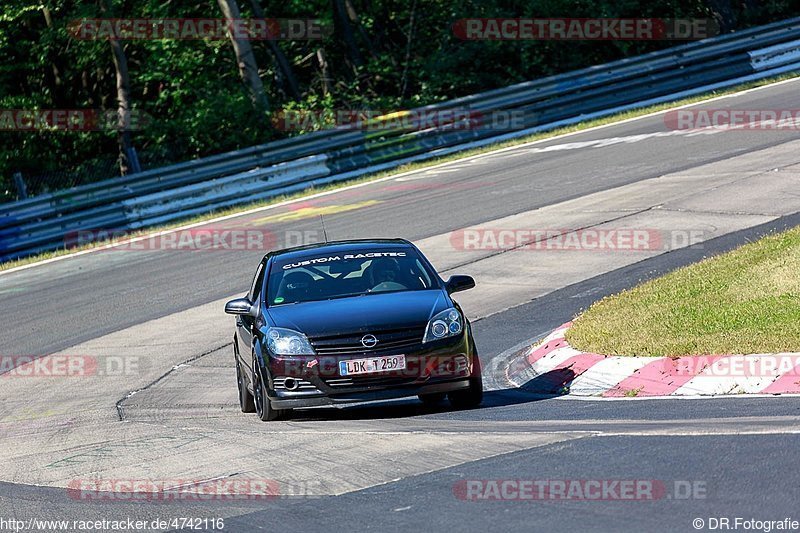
point(648, 398)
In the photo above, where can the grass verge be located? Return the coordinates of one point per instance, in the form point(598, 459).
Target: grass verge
point(741, 302)
point(405, 168)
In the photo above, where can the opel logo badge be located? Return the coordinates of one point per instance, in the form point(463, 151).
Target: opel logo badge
point(369, 341)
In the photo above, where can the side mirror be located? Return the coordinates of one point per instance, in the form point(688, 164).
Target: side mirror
point(459, 283)
point(239, 306)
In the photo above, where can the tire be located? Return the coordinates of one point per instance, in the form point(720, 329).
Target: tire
point(433, 399)
point(473, 396)
point(246, 401)
point(263, 406)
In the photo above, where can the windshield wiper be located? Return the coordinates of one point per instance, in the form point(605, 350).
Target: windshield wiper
point(354, 295)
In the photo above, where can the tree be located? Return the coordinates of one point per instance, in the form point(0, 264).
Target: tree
point(345, 30)
point(290, 85)
point(248, 69)
point(723, 12)
point(128, 162)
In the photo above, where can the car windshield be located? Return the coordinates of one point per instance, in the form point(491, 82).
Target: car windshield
point(342, 275)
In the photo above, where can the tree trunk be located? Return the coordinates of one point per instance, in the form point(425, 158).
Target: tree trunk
point(342, 22)
point(323, 67)
point(53, 75)
point(723, 12)
point(409, 41)
point(289, 80)
point(353, 16)
point(248, 69)
point(128, 161)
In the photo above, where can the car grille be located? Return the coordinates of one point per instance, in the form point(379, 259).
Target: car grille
point(338, 383)
point(351, 343)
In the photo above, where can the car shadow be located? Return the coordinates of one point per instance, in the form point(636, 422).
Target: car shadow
point(543, 387)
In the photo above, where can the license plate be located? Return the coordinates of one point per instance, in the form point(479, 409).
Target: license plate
point(372, 365)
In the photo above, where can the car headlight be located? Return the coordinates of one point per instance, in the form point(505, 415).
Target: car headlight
point(282, 341)
point(448, 323)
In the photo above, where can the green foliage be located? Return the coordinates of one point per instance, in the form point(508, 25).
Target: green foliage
point(197, 104)
point(744, 301)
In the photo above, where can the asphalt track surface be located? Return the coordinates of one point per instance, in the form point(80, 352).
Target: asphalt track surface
point(735, 451)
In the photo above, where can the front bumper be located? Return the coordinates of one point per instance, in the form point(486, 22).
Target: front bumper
point(284, 402)
point(440, 367)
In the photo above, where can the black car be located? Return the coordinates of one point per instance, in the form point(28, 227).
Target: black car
point(352, 321)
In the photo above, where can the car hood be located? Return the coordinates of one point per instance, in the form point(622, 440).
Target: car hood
point(372, 312)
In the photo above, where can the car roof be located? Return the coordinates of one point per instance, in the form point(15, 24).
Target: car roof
point(355, 245)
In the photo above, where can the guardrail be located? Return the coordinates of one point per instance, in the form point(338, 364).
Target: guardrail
point(203, 185)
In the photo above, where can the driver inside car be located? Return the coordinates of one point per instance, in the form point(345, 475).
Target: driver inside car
point(385, 274)
point(296, 287)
